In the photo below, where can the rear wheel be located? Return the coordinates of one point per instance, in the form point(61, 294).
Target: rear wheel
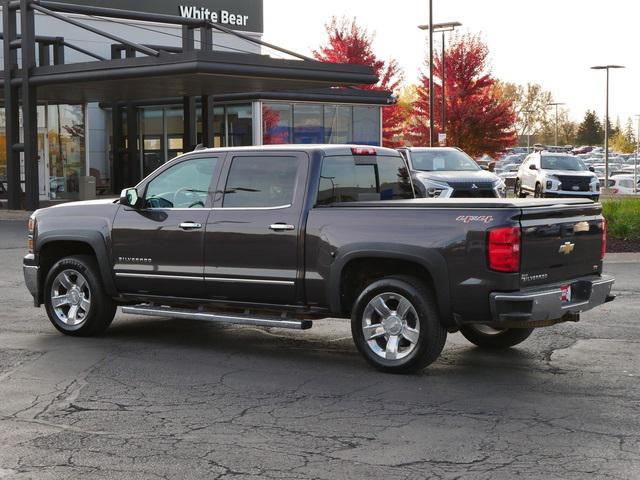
point(496, 338)
point(74, 297)
point(538, 191)
point(396, 326)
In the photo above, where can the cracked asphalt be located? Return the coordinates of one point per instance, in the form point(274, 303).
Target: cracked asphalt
point(175, 399)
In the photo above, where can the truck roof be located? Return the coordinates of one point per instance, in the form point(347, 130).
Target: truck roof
point(324, 148)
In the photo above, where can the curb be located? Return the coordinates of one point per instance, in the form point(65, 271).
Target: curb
point(14, 215)
point(624, 257)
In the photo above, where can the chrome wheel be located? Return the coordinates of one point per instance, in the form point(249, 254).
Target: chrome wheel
point(70, 297)
point(391, 326)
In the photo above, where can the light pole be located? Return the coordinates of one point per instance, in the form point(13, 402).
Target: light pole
point(527, 112)
point(635, 161)
point(443, 28)
point(556, 105)
point(606, 122)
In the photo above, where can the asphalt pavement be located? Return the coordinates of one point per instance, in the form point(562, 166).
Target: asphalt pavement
point(176, 399)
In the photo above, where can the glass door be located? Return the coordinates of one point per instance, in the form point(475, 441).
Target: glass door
point(45, 182)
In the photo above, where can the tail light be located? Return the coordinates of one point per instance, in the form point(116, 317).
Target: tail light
point(504, 249)
point(615, 190)
point(603, 247)
point(363, 151)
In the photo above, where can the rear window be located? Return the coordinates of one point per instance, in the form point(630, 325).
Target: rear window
point(346, 178)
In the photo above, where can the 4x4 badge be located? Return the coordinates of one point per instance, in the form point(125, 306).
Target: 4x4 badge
point(567, 248)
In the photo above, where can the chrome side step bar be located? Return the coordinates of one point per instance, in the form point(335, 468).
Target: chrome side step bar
point(238, 319)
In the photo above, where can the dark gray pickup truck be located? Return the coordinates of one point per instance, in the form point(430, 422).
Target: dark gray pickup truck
point(280, 236)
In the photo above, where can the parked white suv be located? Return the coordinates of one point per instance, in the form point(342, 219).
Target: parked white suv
point(545, 174)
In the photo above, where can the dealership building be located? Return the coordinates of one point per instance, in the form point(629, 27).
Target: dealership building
point(99, 93)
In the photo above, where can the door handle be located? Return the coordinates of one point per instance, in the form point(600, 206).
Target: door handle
point(279, 227)
point(190, 225)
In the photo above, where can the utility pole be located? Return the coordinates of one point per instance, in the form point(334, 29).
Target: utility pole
point(431, 73)
point(528, 128)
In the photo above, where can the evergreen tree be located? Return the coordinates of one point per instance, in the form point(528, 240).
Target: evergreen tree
point(590, 131)
point(629, 133)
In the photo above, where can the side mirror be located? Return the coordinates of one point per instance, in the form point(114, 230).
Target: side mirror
point(533, 167)
point(129, 197)
point(591, 169)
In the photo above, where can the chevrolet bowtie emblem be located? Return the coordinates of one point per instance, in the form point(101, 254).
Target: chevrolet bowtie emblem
point(567, 248)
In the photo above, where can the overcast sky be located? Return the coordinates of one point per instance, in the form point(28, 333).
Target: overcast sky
point(552, 42)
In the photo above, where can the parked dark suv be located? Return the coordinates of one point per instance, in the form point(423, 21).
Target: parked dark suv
point(446, 172)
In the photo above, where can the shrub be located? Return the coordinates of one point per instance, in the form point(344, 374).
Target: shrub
point(623, 218)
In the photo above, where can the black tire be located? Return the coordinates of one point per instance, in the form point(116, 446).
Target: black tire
point(538, 191)
point(90, 318)
point(500, 339)
point(517, 189)
point(430, 336)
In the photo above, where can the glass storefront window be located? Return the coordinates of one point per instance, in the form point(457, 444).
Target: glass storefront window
point(276, 123)
point(320, 123)
point(67, 161)
point(366, 125)
point(239, 125)
point(307, 123)
point(219, 132)
point(338, 124)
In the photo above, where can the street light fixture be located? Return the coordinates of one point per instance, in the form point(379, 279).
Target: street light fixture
point(443, 28)
point(606, 122)
point(556, 105)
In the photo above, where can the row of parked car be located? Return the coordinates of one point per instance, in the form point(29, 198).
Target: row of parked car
point(451, 173)
point(622, 173)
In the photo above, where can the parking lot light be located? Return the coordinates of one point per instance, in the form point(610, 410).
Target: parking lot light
point(552, 104)
point(606, 122)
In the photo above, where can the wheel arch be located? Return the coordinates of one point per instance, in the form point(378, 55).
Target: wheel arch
point(53, 246)
point(365, 263)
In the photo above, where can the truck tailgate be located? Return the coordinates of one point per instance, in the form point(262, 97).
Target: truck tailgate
point(560, 242)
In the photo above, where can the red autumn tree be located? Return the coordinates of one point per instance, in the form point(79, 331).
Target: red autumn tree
point(350, 43)
point(478, 117)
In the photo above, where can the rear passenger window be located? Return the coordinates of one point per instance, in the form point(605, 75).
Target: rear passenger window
point(260, 182)
point(356, 179)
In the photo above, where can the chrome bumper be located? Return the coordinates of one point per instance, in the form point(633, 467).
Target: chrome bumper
point(545, 303)
point(31, 279)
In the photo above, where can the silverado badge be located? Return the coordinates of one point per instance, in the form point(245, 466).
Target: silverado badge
point(566, 248)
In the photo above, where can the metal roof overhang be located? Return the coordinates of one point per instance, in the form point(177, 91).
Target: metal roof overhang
point(192, 73)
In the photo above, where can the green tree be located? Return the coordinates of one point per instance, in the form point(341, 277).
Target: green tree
point(590, 131)
point(621, 144)
point(629, 132)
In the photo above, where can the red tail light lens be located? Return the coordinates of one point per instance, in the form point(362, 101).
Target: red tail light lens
point(363, 151)
point(504, 249)
point(603, 248)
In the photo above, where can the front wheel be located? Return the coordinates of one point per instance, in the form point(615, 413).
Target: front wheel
point(75, 299)
point(495, 338)
point(538, 191)
point(396, 326)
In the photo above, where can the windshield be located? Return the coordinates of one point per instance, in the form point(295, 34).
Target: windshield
point(442, 160)
point(562, 163)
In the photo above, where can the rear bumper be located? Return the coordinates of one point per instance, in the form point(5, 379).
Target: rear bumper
point(544, 304)
point(31, 272)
